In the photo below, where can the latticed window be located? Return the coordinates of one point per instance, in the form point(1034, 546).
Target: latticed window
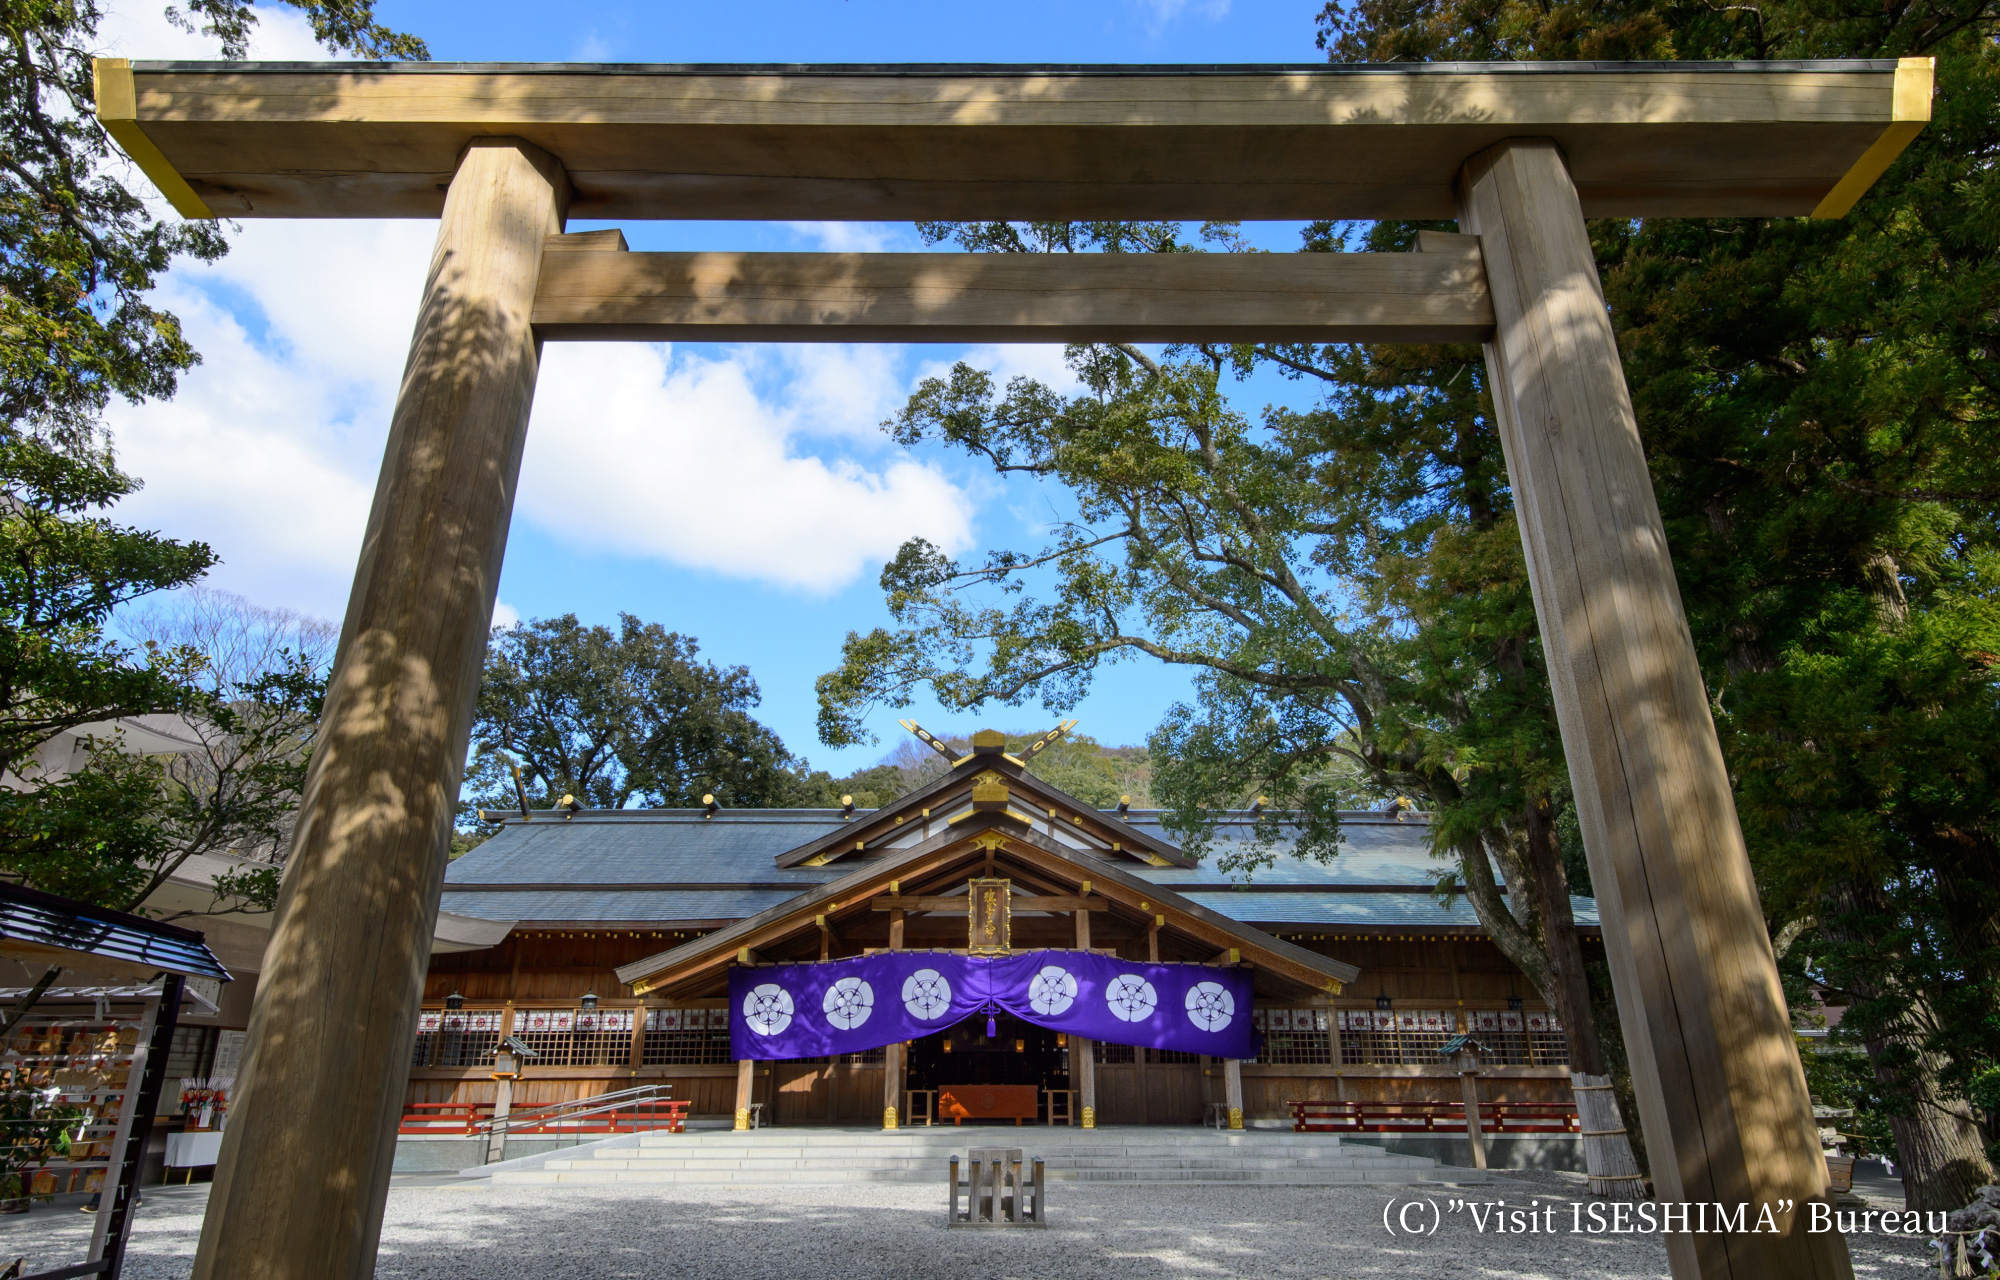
point(1110, 1054)
point(457, 1038)
point(687, 1038)
point(576, 1037)
point(1386, 1037)
point(1294, 1036)
point(1171, 1055)
point(1513, 1037)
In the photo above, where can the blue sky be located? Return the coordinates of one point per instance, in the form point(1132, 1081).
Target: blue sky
point(742, 495)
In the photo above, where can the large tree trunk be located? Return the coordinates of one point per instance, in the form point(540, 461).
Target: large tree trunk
point(1937, 1144)
point(1553, 962)
point(1607, 1146)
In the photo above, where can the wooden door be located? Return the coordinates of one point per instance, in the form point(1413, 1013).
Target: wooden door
point(1172, 1086)
point(804, 1090)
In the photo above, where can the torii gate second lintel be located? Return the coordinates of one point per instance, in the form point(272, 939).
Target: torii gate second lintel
point(1521, 154)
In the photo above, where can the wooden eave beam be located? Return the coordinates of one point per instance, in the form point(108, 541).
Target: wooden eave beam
point(1004, 297)
point(1045, 902)
point(381, 140)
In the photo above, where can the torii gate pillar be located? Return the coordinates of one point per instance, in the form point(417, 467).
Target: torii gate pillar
point(304, 1173)
point(1721, 1093)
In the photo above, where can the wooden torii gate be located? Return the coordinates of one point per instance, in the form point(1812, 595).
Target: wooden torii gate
point(1520, 154)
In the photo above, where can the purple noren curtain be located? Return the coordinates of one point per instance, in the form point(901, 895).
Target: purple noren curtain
point(847, 1006)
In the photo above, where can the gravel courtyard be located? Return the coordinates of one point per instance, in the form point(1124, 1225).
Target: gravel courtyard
point(451, 1232)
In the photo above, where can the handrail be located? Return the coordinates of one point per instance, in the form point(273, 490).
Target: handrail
point(529, 1117)
point(1498, 1118)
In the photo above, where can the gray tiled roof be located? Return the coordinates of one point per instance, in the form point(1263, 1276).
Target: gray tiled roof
point(663, 866)
point(1368, 910)
point(650, 847)
point(625, 906)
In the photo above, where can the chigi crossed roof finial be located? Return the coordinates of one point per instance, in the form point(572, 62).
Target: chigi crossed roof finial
point(987, 741)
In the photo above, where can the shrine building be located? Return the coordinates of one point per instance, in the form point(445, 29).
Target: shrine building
point(631, 928)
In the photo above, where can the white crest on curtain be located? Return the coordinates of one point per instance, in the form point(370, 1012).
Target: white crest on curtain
point(1131, 998)
point(848, 1003)
point(927, 994)
point(767, 1010)
point(1052, 991)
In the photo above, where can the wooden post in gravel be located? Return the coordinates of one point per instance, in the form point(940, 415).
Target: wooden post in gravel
point(1720, 1090)
point(304, 1171)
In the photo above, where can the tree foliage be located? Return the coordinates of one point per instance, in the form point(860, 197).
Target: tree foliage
point(80, 248)
point(111, 823)
point(620, 717)
point(1816, 400)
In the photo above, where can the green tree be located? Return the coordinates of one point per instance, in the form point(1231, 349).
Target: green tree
point(621, 717)
point(82, 250)
point(64, 568)
point(91, 814)
point(1817, 400)
point(261, 675)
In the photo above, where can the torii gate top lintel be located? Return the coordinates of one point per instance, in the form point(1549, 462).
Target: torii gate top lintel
point(372, 140)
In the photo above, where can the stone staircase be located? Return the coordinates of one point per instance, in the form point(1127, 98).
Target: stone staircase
point(802, 1156)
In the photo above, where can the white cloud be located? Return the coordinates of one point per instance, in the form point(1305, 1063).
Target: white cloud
point(505, 615)
point(1162, 12)
point(764, 464)
point(138, 29)
point(1044, 364)
point(855, 237)
point(643, 451)
point(270, 450)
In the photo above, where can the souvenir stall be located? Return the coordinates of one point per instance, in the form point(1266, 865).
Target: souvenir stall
point(83, 1067)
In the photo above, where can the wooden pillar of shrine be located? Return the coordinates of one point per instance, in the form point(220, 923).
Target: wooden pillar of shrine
point(746, 1080)
point(1232, 1090)
point(892, 1055)
point(1082, 1054)
point(1720, 1090)
point(304, 1170)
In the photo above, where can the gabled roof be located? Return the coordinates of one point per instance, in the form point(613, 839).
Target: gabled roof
point(1008, 838)
point(902, 822)
point(685, 869)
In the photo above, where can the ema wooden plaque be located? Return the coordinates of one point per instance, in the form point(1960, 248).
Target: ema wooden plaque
point(989, 919)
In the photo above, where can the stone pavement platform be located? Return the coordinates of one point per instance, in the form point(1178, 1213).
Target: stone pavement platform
point(835, 1156)
point(475, 1230)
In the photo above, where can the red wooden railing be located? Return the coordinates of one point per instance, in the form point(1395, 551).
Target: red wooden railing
point(473, 1118)
point(1432, 1117)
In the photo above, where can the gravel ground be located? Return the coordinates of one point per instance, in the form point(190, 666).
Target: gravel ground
point(456, 1232)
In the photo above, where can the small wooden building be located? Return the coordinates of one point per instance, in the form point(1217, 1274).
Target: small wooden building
point(626, 924)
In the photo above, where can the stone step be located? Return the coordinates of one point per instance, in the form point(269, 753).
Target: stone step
point(1081, 1160)
point(807, 1177)
point(1046, 1153)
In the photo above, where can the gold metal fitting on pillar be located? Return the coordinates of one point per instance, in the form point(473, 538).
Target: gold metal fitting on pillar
point(1236, 1117)
point(888, 1117)
point(1090, 1117)
point(742, 1117)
